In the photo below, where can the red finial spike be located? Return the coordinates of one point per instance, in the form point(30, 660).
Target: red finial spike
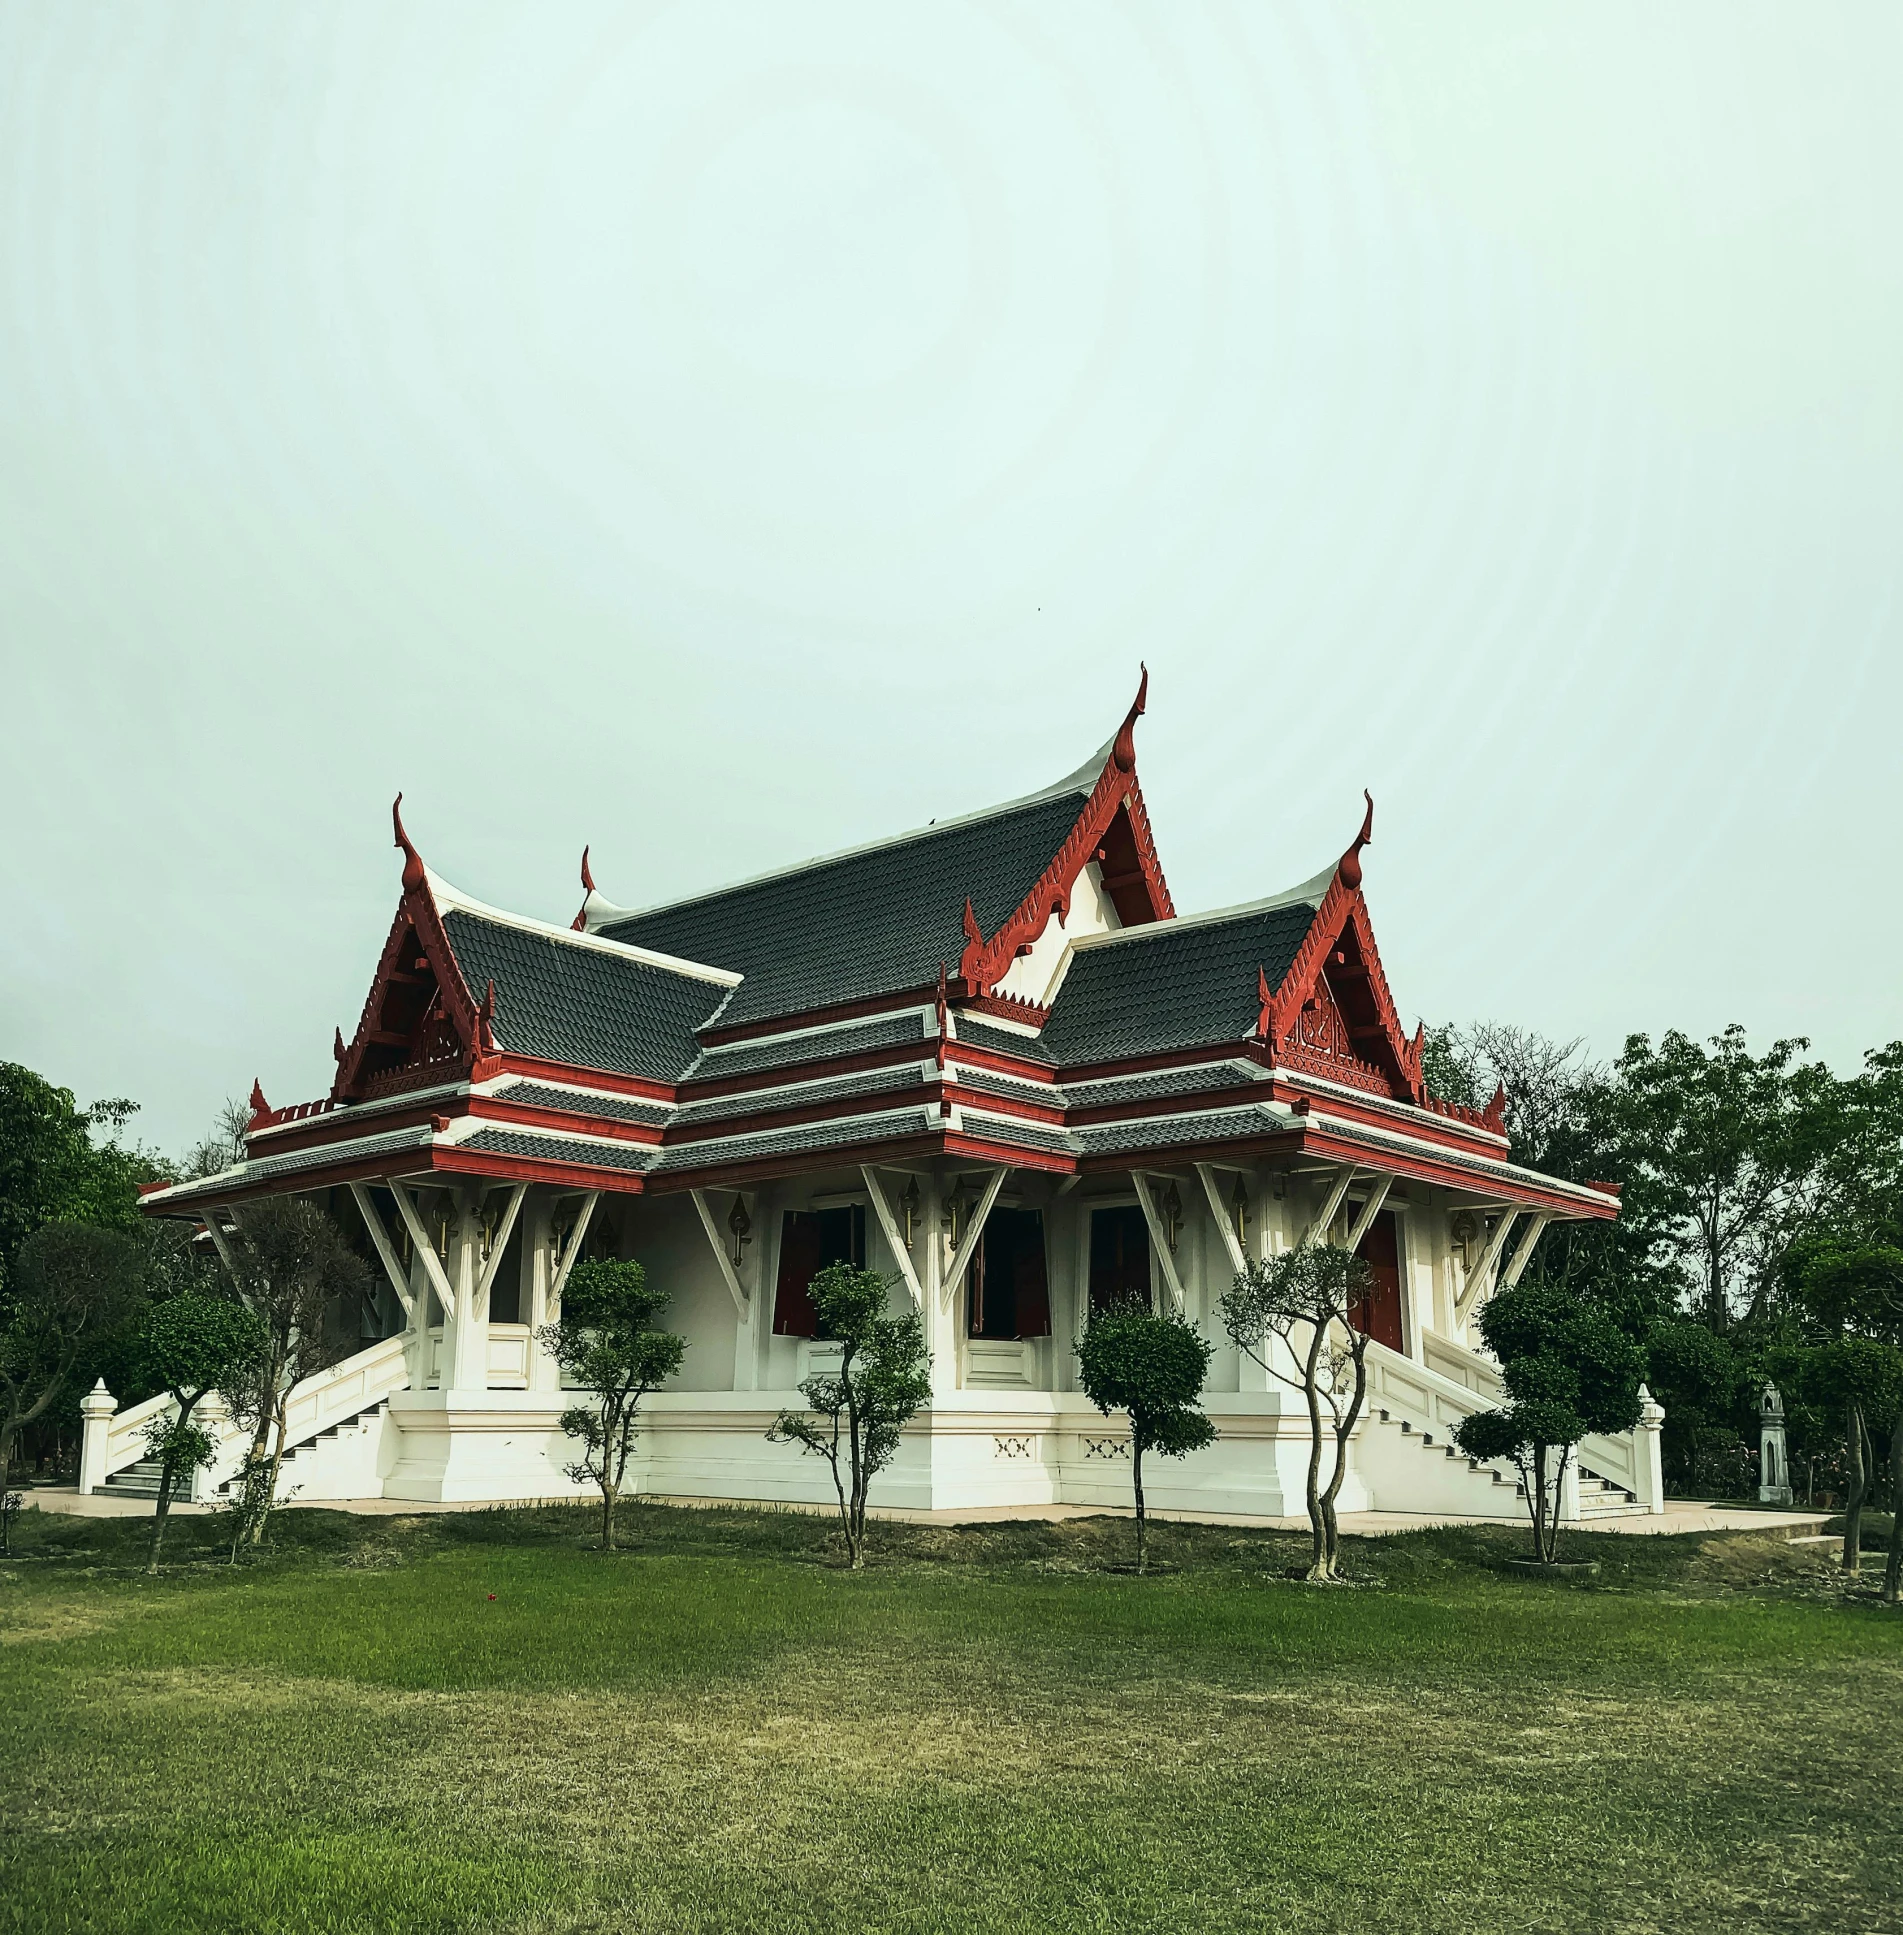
point(938, 1008)
point(337, 1047)
point(414, 873)
point(580, 923)
point(973, 932)
point(259, 1106)
point(1124, 751)
point(1349, 867)
point(486, 1018)
point(1265, 995)
point(587, 878)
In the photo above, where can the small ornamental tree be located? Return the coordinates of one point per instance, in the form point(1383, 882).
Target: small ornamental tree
point(606, 1339)
point(1302, 1301)
point(1569, 1370)
point(191, 1344)
point(293, 1268)
point(854, 1415)
point(1151, 1368)
point(70, 1285)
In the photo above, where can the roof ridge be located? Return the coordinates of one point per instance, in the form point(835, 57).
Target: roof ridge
point(1308, 894)
point(453, 900)
point(601, 912)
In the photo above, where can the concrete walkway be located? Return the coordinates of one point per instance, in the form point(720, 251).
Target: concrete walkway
point(1680, 1515)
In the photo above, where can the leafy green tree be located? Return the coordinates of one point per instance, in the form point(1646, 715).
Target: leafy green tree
point(51, 1168)
point(854, 1415)
point(1152, 1369)
point(70, 1284)
point(1569, 1370)
point(1723, 1156)
point(191, 1344)
point(607, 1341)
point(294, 1269)
point(1301, 1300)
point(1697, 1374)
point(1852, 1297)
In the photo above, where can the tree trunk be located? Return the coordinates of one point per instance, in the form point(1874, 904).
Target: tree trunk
point(159, 1516)
point(277, 1464)
point(1893, 1565)
point(1853, 1500)
point(609, 1492)
point(1136, 1481)
point(1321, 1564)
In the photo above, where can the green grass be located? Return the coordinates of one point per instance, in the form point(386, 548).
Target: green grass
point(475, 1722)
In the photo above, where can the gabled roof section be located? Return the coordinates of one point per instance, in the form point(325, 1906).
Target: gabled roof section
point(547, 994)
point(882, 919)
point(1188, 983)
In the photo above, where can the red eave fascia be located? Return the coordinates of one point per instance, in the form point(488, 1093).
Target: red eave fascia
point(1000, 1060)
point(1449, 1174)
point(1216, 1051)
point(973, 1145)
point(642, 1087)
point(498, 1108)
point(1027, 1106)
point(1415, 1122)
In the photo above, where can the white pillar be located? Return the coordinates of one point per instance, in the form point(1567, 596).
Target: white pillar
point(211, 1414)
point(96, 1408)
point(469, 1328)
point(538, 1267)
point(1648, 1463)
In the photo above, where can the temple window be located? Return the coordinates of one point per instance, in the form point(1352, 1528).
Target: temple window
point(1119, 1256)
point(1007, 1288)
point(809, 1240)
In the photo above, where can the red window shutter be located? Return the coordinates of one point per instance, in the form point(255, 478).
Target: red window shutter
point(1378, 1314)
point(1032, 1284)
point(800, 1252)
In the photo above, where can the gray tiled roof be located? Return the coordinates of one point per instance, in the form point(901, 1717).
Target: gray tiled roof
point(803, 1138)
point(867, 923)
point(870, 1081)
point(1198, 1078)
point(630, 1156)
point(609, 1108)
point(1046, 1093)
point(1008, 1041)
point(214, 1189)
point(1168, 1131)
point(1018, 1131)
point(787, 1051)
point(1179, 984)
point(587, 1007)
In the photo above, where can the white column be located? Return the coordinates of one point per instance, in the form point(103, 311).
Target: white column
point(469, 1328)
point(758, 1316)
point(1648, 1461)
point(941, 1325)
point(96, 1408)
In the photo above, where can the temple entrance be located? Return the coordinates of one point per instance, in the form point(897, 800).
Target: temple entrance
point(1378, 1314)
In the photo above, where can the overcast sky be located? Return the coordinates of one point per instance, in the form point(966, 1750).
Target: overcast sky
point(725, 433)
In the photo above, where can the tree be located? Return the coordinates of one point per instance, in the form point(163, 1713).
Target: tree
point(191, 1344)
point(51, 1170)
point(1547, 1084)
point(1569, 1370)
point(1852, 1299)
point(854, 1415)
point(1152, 1369)
point(606, 1340)
point(1723, 1156)
point(70, 1284)
point(292, 1267)
point(1302, 1301)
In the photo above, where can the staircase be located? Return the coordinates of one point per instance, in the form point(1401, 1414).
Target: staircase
point(334, 1426)
point(1407, 1456)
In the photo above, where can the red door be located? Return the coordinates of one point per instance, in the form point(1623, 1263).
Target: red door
point(1379, 1312)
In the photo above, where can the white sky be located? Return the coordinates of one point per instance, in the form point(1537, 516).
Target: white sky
point(725, 433)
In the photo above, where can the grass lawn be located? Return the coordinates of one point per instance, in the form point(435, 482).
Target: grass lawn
point(476, 1722)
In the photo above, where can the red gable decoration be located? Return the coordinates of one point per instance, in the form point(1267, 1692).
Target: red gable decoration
point(1333, 1015)
point(420, 1021)
point(1114, 830)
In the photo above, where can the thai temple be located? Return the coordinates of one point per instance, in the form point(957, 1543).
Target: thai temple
point(989, 1059)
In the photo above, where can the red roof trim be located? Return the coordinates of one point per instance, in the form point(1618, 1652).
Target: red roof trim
point(985, 962)
point(873, 1004)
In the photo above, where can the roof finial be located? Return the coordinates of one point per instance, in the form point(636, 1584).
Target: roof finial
point(414, 872)
point(1349, 867)
point(259, 1106)
point(580, 923)
point(1124, 751)
point(1266, 996)
point(486, 1020)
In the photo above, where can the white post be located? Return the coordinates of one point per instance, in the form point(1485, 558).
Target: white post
point(538, 1260)
point(211, 1414)
point(96, 1408)
point(1648, 1464)
point(469, 1358)
point(1566, 1507)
